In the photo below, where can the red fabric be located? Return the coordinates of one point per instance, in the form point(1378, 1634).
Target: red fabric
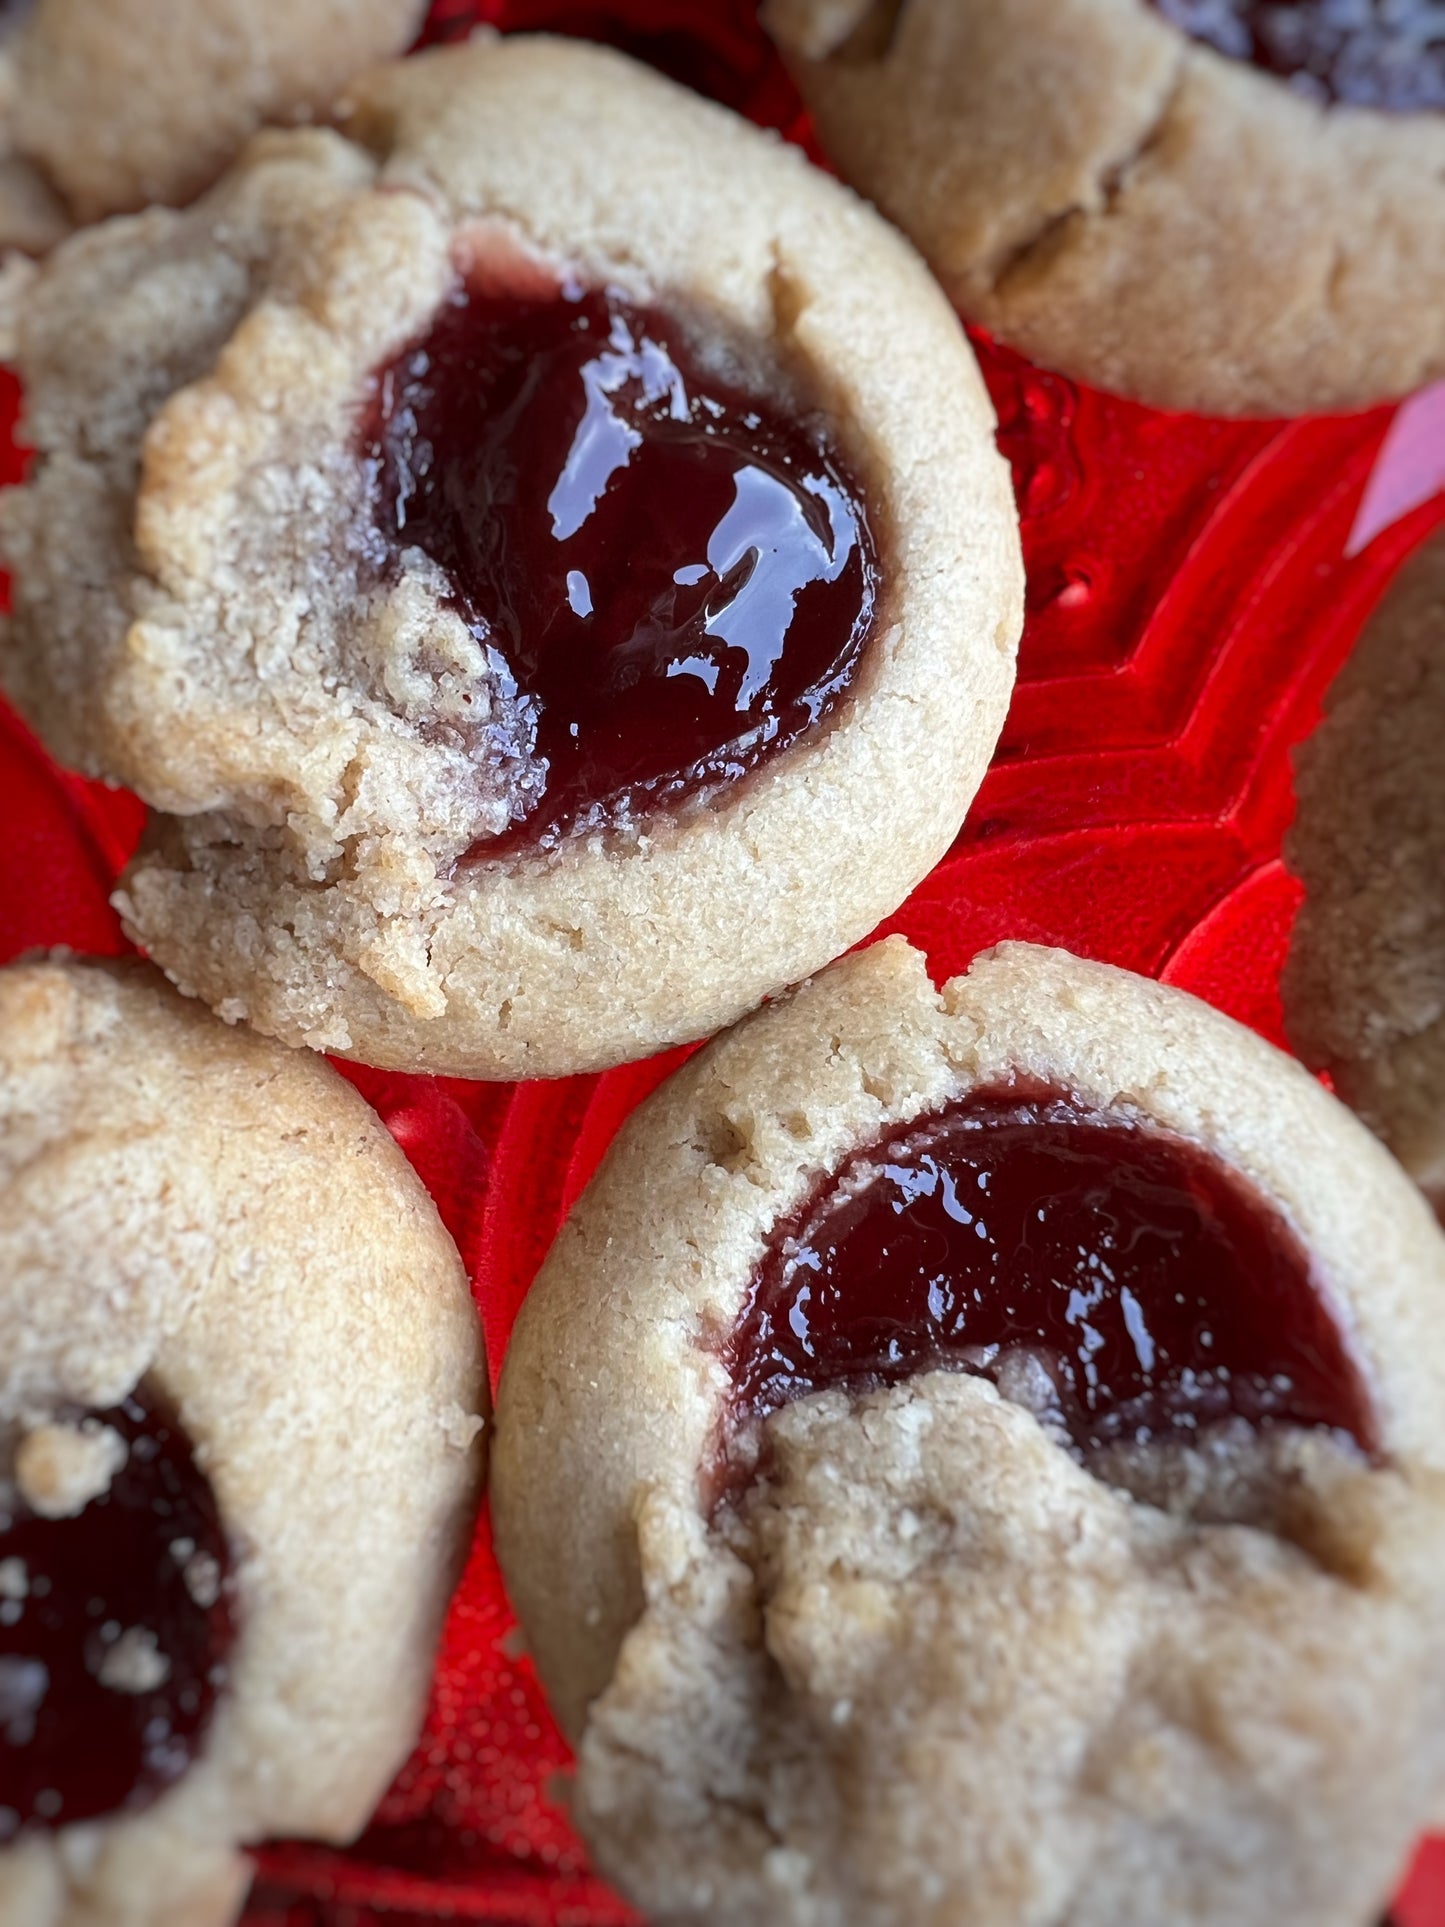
point(1192, 591)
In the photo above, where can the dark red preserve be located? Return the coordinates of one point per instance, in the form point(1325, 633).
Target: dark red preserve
point(115, 1626)
point(1387, 54)
point(1140, 1282)
point(675, 573)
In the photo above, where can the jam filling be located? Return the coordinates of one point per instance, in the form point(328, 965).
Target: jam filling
point(115, 1626)
point(1388, 54)
point(673, 575)
point(1125, 1286)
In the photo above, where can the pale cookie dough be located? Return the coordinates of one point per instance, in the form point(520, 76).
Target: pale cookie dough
point(108, 105)
point(1364, 987)
point(227, 1221)
point(927, 1668)
point(1131, 206)
point(200, 613)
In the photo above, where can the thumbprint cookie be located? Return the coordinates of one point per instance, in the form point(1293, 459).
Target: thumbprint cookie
point(240, 1386)
point(543, 552)
point(975, 1456)
point(1364, 987)
point(1231, 206)
point(108, 105)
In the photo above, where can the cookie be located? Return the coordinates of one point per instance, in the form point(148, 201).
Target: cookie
point(545, 555)
point(239, 1400)
point(109, 105)
point(1222, 205)
point(1364, 987)
point(974, 1456)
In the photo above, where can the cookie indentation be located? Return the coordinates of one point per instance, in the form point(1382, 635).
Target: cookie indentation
point(115, 1627)
point(676, 572)
point(1388, 54)
point(1117, 1281)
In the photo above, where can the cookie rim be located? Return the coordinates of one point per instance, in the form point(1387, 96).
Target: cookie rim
point(1085, 270)
point(629, 1279)
point(301, 1739)
point(911, 744)
point(1340, 1022)
point(41, 203)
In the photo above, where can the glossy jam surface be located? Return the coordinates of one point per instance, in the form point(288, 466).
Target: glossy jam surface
point(114, 1631)
point(1388, 54)
point(676, 574)
point(1115, 1279)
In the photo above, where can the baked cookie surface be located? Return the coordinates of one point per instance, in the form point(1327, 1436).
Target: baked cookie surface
point(239, 1403)
point(109, 105)
point(914, 1644)
point(1364, 987)
point(1121, 199)
point(284, 636)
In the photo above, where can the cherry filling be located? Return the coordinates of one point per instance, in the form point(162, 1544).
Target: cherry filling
point(1368, 53)
point(115, 1628)
point(674, 575)
point(1120, 1282)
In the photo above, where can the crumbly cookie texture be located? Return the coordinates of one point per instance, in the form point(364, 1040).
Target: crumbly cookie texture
point(227, 1221)
point(1364, 987)
point(201, 611)
point(1128, 205)
point(926, 1666)
point(106, 108)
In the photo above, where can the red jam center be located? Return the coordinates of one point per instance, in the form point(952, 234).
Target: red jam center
point(1388, 54)
point(1127, 1285)
point(675, 576)
point(114, 1632)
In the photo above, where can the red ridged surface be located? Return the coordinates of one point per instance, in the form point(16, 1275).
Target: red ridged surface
point(1194, 585)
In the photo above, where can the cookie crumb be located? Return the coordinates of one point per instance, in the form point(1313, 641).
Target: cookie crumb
point(202, 1575)
point(60, 1469)
point(461, 1428)
point(135, 1663)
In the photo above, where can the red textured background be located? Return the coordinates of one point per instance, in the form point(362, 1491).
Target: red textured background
point(1194, 585)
